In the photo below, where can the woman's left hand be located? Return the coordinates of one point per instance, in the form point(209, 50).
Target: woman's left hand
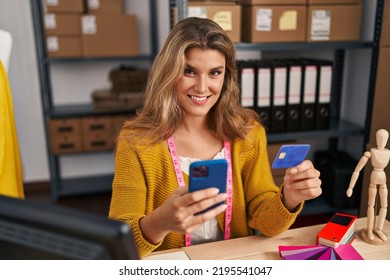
point(301, 182)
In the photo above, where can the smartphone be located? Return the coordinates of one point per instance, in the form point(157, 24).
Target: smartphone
point(208, 174)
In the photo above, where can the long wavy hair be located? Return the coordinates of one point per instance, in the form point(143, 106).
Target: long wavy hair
point(162, 114)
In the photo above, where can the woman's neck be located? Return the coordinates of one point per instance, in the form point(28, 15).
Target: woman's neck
point(194, 139)
point(194, 126)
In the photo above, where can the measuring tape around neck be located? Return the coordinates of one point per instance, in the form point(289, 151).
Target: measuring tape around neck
point(229, 183)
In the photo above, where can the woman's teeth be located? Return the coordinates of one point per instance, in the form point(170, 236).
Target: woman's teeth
point(197, 98)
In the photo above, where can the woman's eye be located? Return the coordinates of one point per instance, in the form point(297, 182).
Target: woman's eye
point(189, 72)
point(215, 73)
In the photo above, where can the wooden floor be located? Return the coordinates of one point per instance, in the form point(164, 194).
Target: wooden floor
point(100, 203)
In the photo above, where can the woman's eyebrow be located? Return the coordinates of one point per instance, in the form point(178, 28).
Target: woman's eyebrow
point(212, 69)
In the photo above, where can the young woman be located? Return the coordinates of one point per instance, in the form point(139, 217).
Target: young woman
point(192, 112)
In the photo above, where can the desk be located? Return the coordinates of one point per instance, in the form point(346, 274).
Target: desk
point(266, 248)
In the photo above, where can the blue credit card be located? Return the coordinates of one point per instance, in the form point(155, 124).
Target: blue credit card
point(290, 155)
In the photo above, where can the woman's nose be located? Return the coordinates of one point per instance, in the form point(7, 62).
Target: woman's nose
point(201, 84)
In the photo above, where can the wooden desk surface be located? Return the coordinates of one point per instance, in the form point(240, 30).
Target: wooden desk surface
point(266, 248)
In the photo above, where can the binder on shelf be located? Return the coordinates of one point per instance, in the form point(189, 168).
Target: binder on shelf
point(263, 92)
point(324, 94)
point(308, 94)
point(246, 78)
point(278, 96)
point(294, 81)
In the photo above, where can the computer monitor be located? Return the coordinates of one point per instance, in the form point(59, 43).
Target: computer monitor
point(30, 230)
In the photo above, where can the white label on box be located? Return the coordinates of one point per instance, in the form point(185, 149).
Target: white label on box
point(263, 19)
point(52, 44)
point(89, 24)
point(320, 25)
point(52, 2)
point(93, 4)
point(224, 19)
point(50, 21)
point(200, 12)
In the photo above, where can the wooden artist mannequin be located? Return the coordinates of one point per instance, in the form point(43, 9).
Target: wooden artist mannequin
point(379, 159)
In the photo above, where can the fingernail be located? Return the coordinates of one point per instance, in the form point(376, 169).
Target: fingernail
point(293, 170)
point(215, 190)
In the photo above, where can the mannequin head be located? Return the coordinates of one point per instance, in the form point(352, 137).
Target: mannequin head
point(382, 135)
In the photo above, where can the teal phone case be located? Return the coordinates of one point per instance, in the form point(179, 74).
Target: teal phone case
point(208, 174)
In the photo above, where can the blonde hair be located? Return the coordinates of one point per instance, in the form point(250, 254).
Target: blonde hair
point(162, 114)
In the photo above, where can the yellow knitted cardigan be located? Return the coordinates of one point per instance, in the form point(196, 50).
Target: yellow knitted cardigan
point(145, 178)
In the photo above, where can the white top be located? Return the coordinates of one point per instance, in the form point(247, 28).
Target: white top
point(210, 230)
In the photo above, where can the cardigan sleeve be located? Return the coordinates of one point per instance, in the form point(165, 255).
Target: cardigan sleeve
point(128, 201)
point(266, 211)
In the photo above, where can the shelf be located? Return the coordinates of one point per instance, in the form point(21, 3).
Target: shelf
point(301, 46)
point(98, 59)
point(85, 185)
point(342, 129)
point(84, 110)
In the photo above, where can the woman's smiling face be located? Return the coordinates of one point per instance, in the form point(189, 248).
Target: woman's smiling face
point(201, 83)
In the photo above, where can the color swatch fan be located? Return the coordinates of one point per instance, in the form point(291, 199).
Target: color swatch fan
point(308, 252)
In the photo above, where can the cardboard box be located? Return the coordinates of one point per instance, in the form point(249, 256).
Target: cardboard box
point(228, 16)
point(273, 2)
point(128, 80)
point(131, 101)
point(62, 24)
point(381, 115)
point(336, 2)
point(118, 121)
point(334, 22)
point(263, 24)
point(64, 47)
point(385, 33)
point(104, 100)
point(97, 133)
point(105, 6)
point(65, 6)
point(109, 35)
point(65, 136)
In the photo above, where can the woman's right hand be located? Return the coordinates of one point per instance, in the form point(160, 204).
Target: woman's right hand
point(177, 213)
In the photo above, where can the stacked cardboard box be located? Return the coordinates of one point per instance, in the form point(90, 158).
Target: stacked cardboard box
point(63, 28)
point(334, 20)
point(274, 20)
point(126, 93)
point(85, 134)
point(90, 28)
point(107, 31)
point(226, 13)
point(266, 21)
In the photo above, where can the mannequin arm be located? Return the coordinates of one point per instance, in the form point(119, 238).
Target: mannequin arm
point(355, 175)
